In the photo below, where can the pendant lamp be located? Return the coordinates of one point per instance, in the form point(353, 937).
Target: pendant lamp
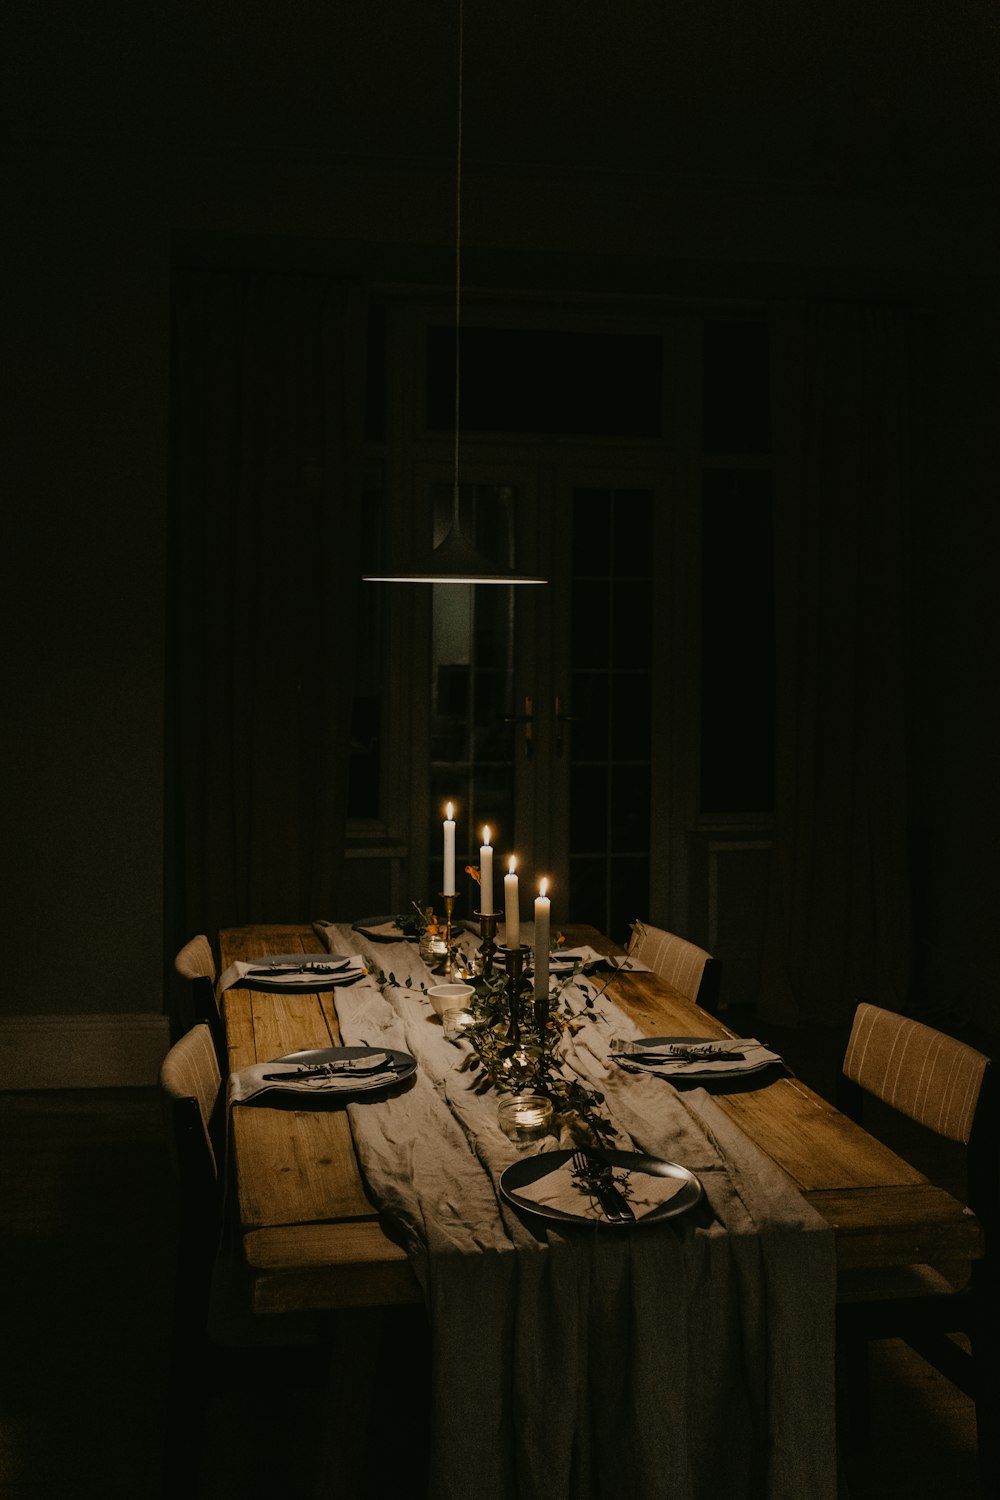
point(455, 559)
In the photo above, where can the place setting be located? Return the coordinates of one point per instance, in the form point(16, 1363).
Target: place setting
point(401, 927)
point(323, 1075)
point(280, 972)
point(698, 1060)
point(587, 960)
point(602, 1187)
point(420, 927)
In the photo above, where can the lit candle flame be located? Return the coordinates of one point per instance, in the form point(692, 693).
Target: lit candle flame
point(510, 867)
point(543, 887)
point(450, 812)
point(486, 836)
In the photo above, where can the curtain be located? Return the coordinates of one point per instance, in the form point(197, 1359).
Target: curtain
point(839, 923)
point(267, 415)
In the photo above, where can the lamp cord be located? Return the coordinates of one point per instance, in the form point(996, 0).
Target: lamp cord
point(458, 254)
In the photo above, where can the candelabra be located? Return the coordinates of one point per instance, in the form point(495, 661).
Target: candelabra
point(488, 933)
point(514, 964)
point(450, 944)
point(541, 1014)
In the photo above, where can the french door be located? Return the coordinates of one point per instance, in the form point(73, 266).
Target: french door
point(614, 727)
point(544, 712)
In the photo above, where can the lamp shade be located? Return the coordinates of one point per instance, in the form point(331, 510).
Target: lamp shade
point(454, 560)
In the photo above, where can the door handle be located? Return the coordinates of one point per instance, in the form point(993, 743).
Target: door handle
point(527, 719)
point(562, 719)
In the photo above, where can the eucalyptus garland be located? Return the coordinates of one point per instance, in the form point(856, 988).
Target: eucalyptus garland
point(516, 1053)
point(514, 1041)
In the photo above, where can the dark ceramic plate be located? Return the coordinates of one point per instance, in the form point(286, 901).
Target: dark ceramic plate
point(404, 1065)
point(532, 1168)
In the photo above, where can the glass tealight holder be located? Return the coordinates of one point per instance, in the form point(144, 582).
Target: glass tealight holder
point(432, 948)
point(456, 1023)
point(525, 1117)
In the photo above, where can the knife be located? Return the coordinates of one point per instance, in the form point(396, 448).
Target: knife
point(613, 1204)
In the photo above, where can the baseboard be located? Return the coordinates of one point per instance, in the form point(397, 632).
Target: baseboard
point(81, 1052)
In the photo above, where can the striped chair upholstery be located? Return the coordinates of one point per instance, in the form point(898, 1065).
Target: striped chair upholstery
point(190, 1072)
point(195, 960)
point(196, 964)
point(945, 1086)
point(688, 968)
point(925, 1075)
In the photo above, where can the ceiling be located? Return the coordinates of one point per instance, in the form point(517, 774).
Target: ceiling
point(875, 96)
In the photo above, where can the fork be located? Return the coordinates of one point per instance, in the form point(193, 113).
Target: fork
point(676, 1052)
point(614, 1205)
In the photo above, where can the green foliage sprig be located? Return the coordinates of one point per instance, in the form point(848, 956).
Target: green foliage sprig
point(522, 1058)
point(414, 924)
point(598, 1176)
point(390, 982)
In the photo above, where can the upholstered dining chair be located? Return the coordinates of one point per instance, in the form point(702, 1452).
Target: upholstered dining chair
point(211, 1314)
point(945, 1086)
point(196, 964)
point(688, 968)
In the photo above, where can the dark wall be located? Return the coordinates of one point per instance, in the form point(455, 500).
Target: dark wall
point(129, 137)
point(954, 703)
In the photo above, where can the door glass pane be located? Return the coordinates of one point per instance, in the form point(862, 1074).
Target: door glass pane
point(610, 634)
point(472, 670)
point(737, 643)
point(364, 782)
point(535, 380)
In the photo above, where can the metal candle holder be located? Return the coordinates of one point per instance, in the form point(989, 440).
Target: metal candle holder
point(449, 938)
point(541, 1003)
point(488, 932)
point(514, 964)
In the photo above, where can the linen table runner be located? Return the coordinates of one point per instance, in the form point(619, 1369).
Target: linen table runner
point(684, 1360)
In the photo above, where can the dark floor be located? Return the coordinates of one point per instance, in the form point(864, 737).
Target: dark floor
point(87, 1254)
point(87, 1274)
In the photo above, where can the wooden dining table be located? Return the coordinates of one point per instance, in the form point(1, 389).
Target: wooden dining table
point(313, 1239)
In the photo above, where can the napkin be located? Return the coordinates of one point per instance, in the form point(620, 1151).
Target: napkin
point(388, 931)
point(627, 964)
point(558, 1189)
point(371, 1071)
point(293, 977)
point(662, 1062)
point(560, 957)
point(589, 957)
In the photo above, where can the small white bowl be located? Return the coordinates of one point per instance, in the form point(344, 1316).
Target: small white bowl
point(450, 996)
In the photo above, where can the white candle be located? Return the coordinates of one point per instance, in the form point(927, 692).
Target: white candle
point(542, 928)
point(486, 875)
point(512, 914)
point(448, 884)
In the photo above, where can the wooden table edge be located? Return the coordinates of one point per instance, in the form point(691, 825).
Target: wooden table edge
point(327, 1265)
point(320, 1267)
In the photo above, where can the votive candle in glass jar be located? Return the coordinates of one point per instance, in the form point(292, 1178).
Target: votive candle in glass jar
point(525, 1117)
point(455, 1023)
